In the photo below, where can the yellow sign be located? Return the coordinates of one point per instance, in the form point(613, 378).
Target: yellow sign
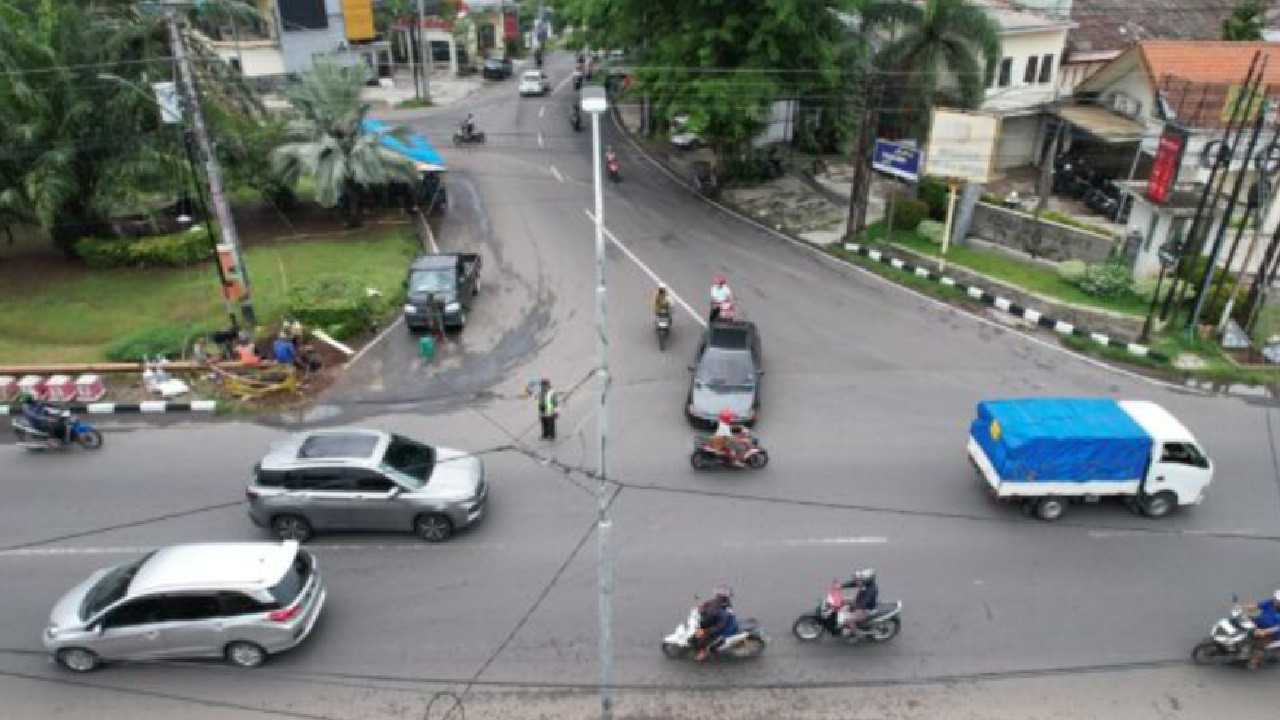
point(1236, 95)
point(995, 429)
point(358, 15)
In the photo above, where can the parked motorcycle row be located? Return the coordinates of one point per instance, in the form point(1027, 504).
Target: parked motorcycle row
point(882, 625)
point(1073, 177)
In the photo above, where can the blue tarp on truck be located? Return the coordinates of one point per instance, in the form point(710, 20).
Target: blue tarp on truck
point(1061, 440)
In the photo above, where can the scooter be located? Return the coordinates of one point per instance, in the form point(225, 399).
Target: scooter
point(882, 625)
point(461, 138)
point(705, 457)
point(1231, 640)
point(662, 325)
point(611, 164)
point(745, 644)
point(78, 432)
point(575, 119)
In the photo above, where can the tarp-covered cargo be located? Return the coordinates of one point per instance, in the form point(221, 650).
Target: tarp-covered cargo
point(1061, 440)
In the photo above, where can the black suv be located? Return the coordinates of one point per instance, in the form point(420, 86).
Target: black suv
point(726, 374)
point(497, 69)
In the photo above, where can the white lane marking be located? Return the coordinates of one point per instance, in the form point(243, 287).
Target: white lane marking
point(540, 144)
point(556, 172)
point(808, 542)
point(1113, 534)
point(541, 110)
point(561, 84)
point(939, 304)
point(652, 275)
point(385, 331)
point(318, 548)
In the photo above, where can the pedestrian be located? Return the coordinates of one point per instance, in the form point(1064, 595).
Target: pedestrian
point(548, 409)
point(435, 317)
point(283, 350)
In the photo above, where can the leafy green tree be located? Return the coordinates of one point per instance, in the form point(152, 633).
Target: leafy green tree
point(329, 143)
point(941, 51)
point(1244, 22)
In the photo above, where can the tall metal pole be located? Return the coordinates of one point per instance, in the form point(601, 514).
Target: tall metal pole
point(604, 525)
point(213, 173)
point(422, 52)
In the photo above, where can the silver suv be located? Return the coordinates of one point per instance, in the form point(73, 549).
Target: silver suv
point(239, 601)
point(365, 480)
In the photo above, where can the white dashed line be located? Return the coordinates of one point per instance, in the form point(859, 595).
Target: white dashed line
point(318, 548)
point(652, 275)
point(556, 172)
point(808, 542)
point(541, 110)
point(540, 140)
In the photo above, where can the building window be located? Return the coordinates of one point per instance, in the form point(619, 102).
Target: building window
point(1004, 77)
point(1029, 76)
point(1046, 69)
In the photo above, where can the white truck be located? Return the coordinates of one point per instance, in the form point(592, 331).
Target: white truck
point(1048, 452)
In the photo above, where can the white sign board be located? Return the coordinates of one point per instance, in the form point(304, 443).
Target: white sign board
point(962, 146)
point(169, 101)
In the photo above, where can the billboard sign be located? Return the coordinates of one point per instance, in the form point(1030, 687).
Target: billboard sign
point(358, 17)
point(897, 159)
point(962, 146)
point(1164, 169)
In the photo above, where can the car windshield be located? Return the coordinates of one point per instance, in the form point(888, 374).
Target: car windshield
point(110, 589)
point(726, 370)
point(532, 77)
point(432, 281)
point(411, 462)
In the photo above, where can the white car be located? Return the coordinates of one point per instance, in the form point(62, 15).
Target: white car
point(681, 137)
point(534, 82)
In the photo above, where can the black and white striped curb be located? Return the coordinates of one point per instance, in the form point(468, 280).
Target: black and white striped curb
point(110, 408)
point(1006, 305)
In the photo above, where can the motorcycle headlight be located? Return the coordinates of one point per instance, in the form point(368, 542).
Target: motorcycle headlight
point(453, 307)
point(411, 309)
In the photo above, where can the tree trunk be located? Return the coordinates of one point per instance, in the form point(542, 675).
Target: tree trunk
point(353, 204)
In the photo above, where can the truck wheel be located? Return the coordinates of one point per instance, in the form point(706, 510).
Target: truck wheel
point(1050, 508)
point(1159, 505)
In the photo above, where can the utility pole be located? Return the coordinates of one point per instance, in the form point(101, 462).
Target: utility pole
point(213, 174)
point(860, 188)
point(422, 52)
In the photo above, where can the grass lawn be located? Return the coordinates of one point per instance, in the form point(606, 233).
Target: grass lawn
point(57, 313)
point(1028, 276)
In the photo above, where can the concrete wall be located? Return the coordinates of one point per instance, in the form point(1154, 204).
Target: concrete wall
point(301, 47)
point(1018, 141)
point(1058, 242)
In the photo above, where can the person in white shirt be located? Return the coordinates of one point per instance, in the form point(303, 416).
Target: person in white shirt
point(721, 296)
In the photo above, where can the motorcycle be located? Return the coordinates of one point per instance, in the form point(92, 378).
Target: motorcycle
point(705, 457)
point(461, 138)
point(662, 324)
point(611, 164)
point(575, 119)
point(882, 625)
point(1230, 641)
point(704, 178)
point(577, 79)
point(745, 644)
point(78, 432)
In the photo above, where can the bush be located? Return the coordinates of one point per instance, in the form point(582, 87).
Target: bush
point(177, 250)
point(1071, 270)
point(336, 304)
point(907, 213)
point(934, 193)
point(167, 340)
point(1110, 279)
point(1146, 287)
point(932, 230)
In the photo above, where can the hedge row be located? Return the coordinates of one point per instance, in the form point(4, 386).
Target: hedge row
point(177, 250)
point(336, 304)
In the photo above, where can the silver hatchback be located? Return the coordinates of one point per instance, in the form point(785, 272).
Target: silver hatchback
point(355, 479)
point(238, 601)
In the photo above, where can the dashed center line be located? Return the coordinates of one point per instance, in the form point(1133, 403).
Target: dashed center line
point(317, 548)
point(808, 542)
point(556, 172)
point(541, 109)
point(540, 144)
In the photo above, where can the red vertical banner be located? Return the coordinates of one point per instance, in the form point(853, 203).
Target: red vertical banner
point(1164, 170)
point(509, 28)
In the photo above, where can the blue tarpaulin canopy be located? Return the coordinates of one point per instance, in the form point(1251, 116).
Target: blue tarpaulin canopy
point(413, 146)
point(1061, 440)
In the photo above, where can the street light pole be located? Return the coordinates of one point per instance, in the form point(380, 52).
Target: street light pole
point(213, 173)
point(425, 64)
point(594, 102)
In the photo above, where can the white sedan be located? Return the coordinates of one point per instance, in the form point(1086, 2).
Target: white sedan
point(534, 82)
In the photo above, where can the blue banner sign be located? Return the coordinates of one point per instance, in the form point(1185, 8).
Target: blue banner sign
point(897, 159)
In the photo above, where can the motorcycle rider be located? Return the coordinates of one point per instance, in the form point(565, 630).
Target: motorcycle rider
point(661, 300)
point(44, 417)
point(855, 612)
point(575, 116)
point(728, 439)
point(1266, 627)
point(611, 160)
point(469, 126)
point(721, 296)
point(716, 620)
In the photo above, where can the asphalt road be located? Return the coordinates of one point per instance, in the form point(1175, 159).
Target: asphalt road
point(867, 395)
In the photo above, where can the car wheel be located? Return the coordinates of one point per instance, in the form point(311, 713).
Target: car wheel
point(433, 527)
point(291, 527)
point(245, 654)
point(78, 659)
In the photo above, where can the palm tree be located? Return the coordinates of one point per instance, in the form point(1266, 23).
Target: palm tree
point(938, 50)
point(330, 144)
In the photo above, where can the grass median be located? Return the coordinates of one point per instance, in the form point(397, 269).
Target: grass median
point(59, 313)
